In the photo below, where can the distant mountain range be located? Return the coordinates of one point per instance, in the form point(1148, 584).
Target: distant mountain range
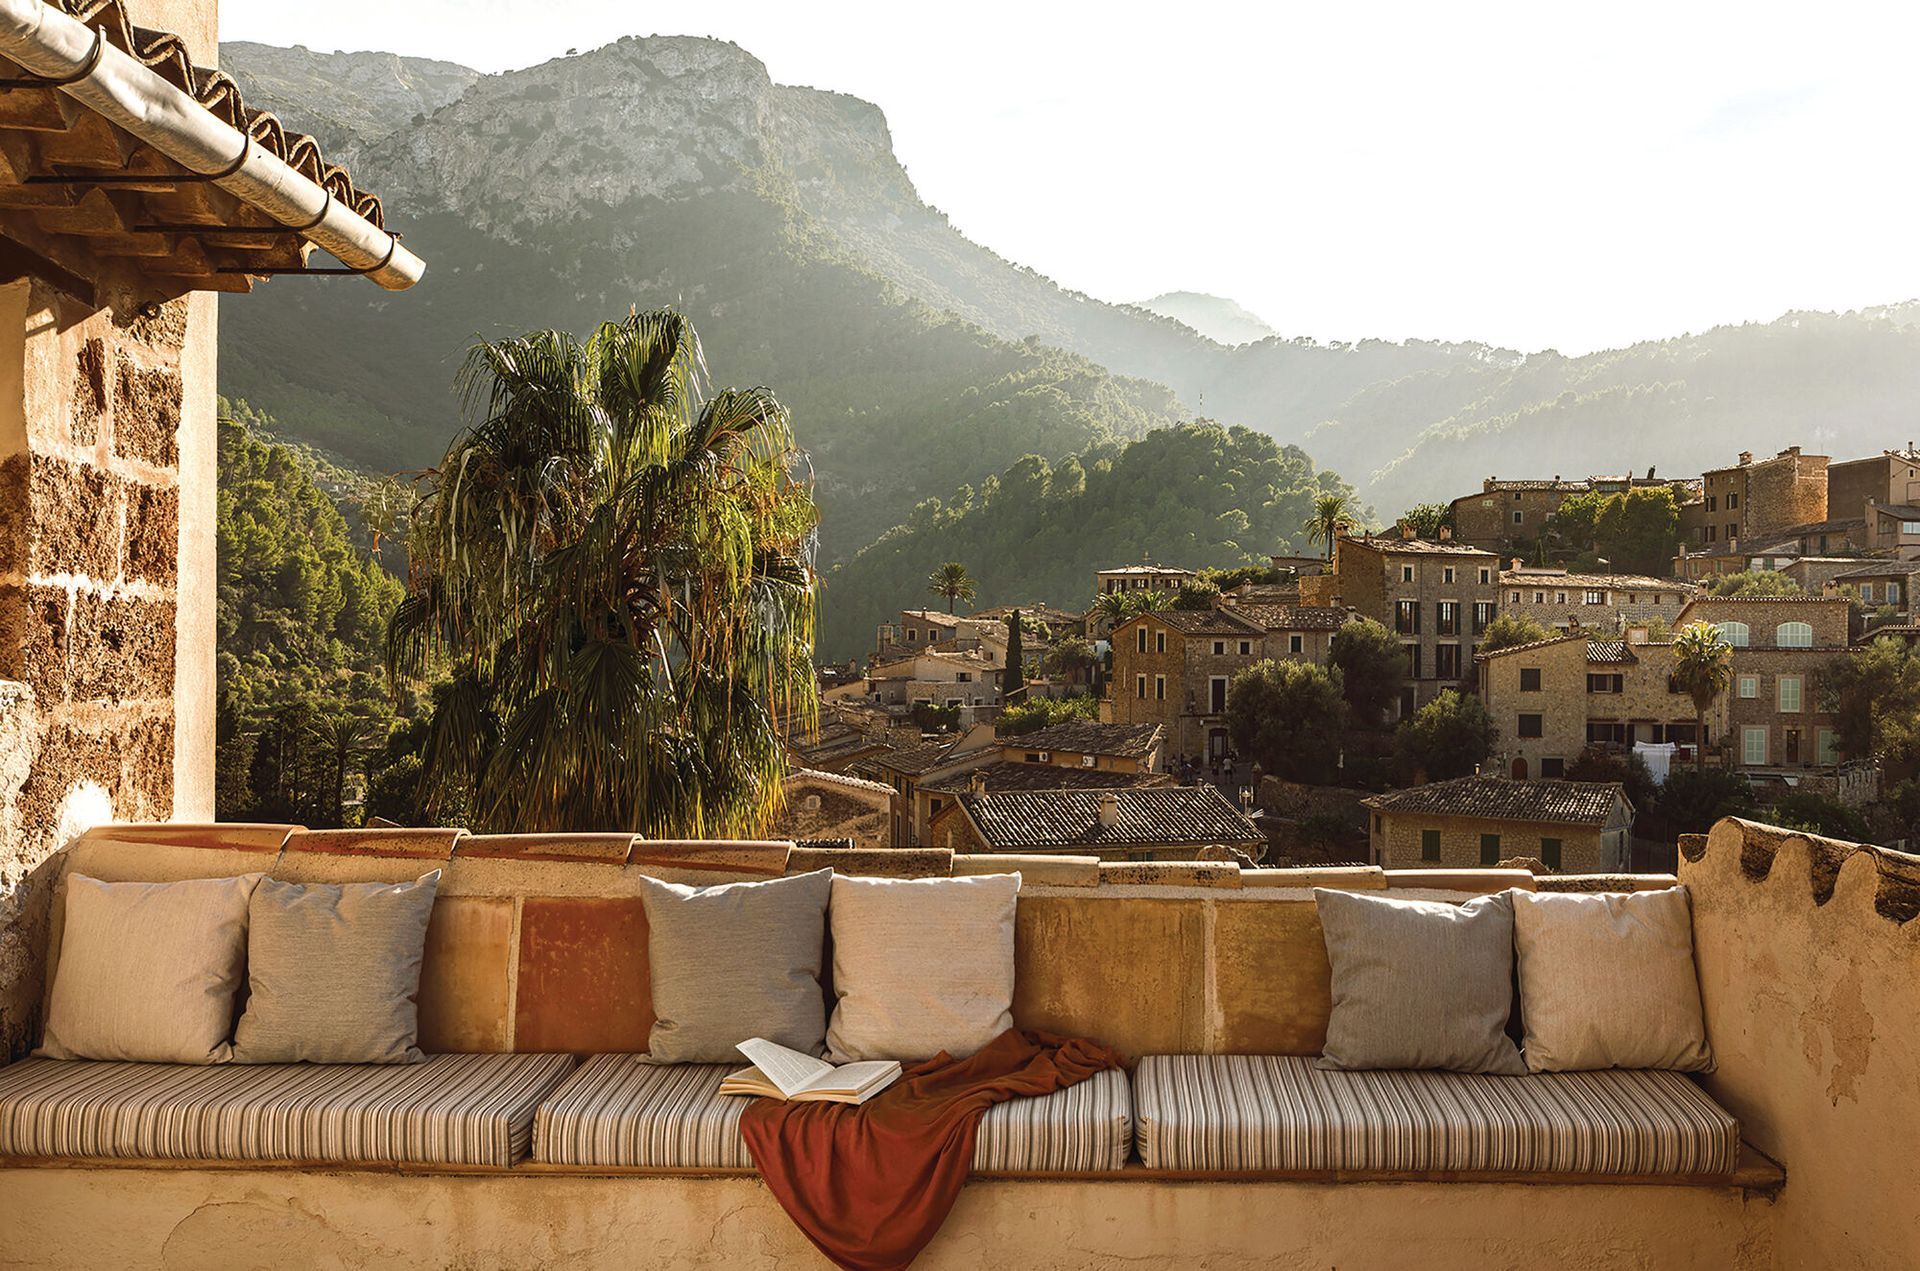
point(673, 171)
point(1219, 319)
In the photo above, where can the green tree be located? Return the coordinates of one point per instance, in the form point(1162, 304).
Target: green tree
point(1508, 630)
point(1702, 668)
point(1874, 694)
point(1014, 681)
point(1754, 582)
point(1636, 530)
point(1451, 736)
point(953, 582)
point(1071, 656)
point(1692, 800)
point(1817, 814)
point(1290, 717)
point(1428, 519)
point(1330, 512)
point(1196, 593)
point(1371, 665)
point(1629, 769)
point(620, 567)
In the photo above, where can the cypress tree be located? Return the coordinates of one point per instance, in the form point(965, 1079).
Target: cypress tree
point(1014, 683)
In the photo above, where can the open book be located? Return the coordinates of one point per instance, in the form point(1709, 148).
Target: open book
point(780, 1073)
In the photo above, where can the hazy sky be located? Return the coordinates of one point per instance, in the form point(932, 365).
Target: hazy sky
point(1539, 175)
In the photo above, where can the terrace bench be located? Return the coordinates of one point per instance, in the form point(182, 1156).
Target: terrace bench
point(534, 1004)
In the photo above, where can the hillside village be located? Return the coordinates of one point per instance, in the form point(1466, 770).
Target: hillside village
point(1510, 694)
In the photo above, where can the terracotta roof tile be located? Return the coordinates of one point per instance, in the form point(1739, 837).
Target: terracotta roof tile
point(1085, 737)
point(1169, 816)
point(1006, 775)
point(1499, 799)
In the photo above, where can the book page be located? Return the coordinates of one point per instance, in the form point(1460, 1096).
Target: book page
point(853, 1077)
point(789, 1070)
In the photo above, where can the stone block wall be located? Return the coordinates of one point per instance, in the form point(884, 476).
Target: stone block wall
point(106, 626)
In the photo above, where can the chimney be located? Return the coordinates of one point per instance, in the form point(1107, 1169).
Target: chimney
point(1446, 533)
point(1109, 809)
point(1517, 563)
point(1746, 457)
point(1406, 531)
point(977, 783)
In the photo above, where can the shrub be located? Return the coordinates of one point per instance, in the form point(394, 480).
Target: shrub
point(1290, 717)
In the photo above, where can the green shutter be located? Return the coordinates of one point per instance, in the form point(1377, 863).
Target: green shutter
point(1429, 845)
point(1489, 849)
point(1550, 853)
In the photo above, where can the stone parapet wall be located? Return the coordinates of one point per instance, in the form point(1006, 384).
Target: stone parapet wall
point(1809, 957)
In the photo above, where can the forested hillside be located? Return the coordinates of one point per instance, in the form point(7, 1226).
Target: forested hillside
point(1199, 494)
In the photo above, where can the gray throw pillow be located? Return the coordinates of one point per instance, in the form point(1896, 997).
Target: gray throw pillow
point(1419, 984)
point(333, 972)
point(736, 961)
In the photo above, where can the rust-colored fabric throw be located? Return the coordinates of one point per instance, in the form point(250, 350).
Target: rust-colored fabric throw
point(871, 1184)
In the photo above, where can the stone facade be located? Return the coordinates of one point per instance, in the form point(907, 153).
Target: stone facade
point(1552, 700)
point(824, 805)
point(1505, 513)
point(1893, 476)
point(1596, 602)
point(1751, 501)
point(1774, 720)
point(1399, 840)
point(1437, 596)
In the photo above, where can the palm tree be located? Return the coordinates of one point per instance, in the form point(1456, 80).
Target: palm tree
point(340, 739)
point(617, 569)
point(1702, 668)
point(1070, 657)
point(952, 581)
point(1330, 512)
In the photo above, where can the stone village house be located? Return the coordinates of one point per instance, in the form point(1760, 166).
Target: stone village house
point(131, 192)
point(1575, 827)
point(1781, 646)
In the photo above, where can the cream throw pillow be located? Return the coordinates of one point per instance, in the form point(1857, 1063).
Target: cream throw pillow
point(920, 965)
point(148, 971)
point(1607, 981)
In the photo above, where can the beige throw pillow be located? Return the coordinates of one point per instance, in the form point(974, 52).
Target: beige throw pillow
point(148, 971)
point(333, 973)
point(921, 965)
point(1607, 981)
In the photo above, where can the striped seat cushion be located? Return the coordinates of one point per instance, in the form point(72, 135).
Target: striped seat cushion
point(619, 1110)
point(1232, 1113)
point(450, 1110)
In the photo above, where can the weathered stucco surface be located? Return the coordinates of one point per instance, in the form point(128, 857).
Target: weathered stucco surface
point(189, 1220)
point(1809, 959)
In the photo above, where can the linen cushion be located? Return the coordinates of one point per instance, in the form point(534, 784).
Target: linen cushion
point(448, 1110)
point(148, 971)
point(619, 1110)
point(921, 965)
point(333, 972)
point(1419, 984)
point(736, 961)
point(1607, 981)
point(1241, 1113)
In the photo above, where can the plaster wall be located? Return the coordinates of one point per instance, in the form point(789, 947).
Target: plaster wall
point(1809, 956)
point(177, 1219)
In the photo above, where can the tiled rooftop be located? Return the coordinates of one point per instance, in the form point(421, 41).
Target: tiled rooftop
point(1011, 774)
point(1085, 737)
point(1204, 621)
point(1880, 569)
point(1071, 818)
point(1294, 617)
point(1616, 582)
point(1499, 799)
point(1416, 547)
point(1609, 652)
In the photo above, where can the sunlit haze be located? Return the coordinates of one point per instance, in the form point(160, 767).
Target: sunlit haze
point(1538, 176)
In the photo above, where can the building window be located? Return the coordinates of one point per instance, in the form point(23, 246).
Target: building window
point(1529, 726)
point(1893, 593)
point(1446, 574)
point(1159, 642)
point(1482, 616)
point(1713, 504)
point(1866, 592)
point(1406, 617)
point(1554, 767)
point(1753, 745)
point(1429, 845)
point(1529, 679)
point(1217, 694)
point(1159, 688)
point(1413, 661)
point(1406, 573)
point(1140, 686)
point(1486, 577)
point(963, 677)
point(1033, 756)
point(1559, 597)
point(1489, 849)
point(1602, 732)
point(1789, 686)
point(1793, 635)
point(912, 634)
point(1296, 644)
point(1749, 686)
point(1539, 597)
point(1596, 597)
point(1597, 683)
point(1219, 648)
point(1246, 647)
point(1141, 634)
point(1519, 517)
point(1516, 597)
point(1733, 500)
point(1550, 853)
point(1446, 618)
point(1734, 632)
point(1446, 661)
point(1910, 527)
point(1825, 752)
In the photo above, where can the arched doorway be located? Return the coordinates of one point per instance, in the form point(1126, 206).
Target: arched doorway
point(1520, 768)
